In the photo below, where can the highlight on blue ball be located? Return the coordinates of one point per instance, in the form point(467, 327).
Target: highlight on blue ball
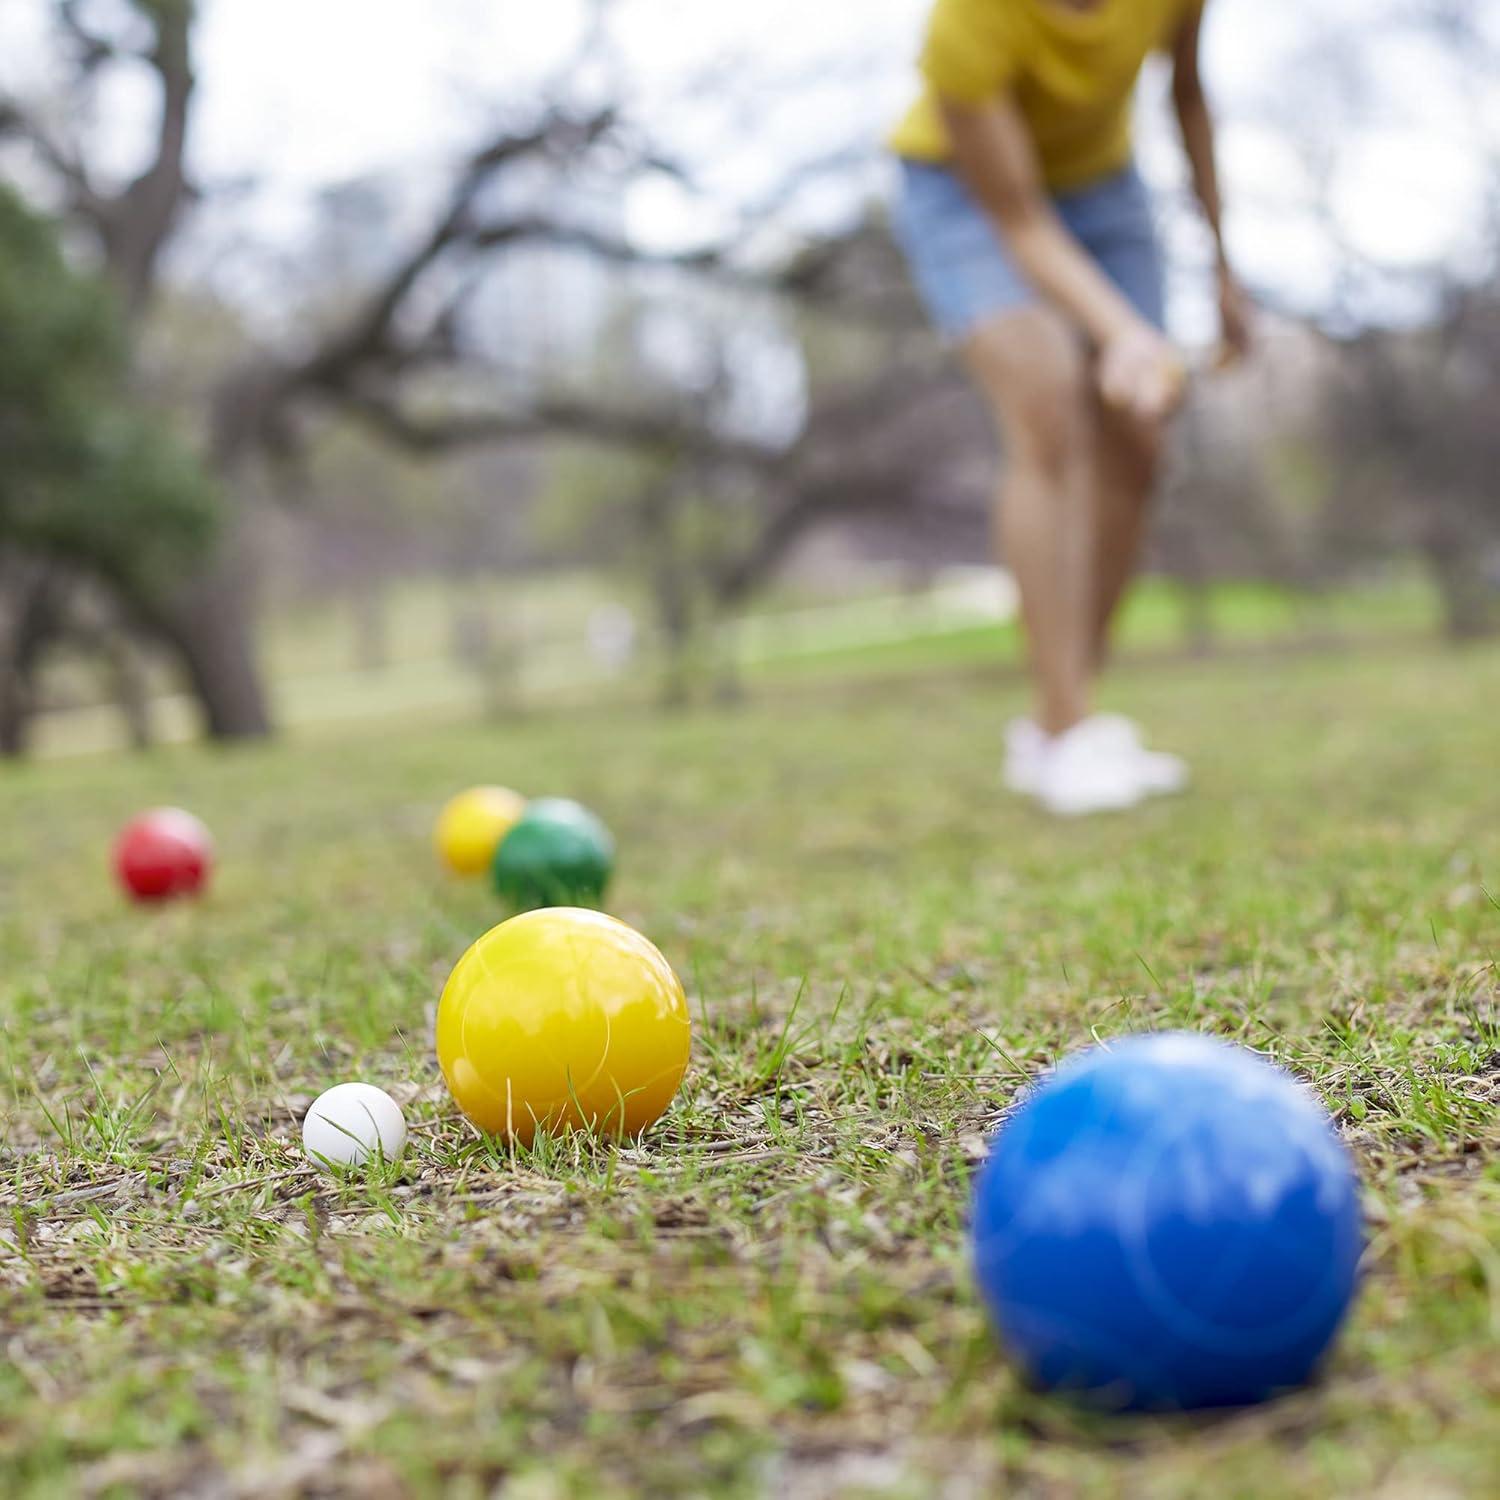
point(1167, 1223)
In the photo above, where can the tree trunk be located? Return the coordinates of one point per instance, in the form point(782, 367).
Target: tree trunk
point(1468, 605)
point(209, 624)
point(671, 588)
point(675, 615)
point(129, 689)
point(209, 620)
point(34, 625)
point(15, 712)
point(214, 637)
point(1468, 611)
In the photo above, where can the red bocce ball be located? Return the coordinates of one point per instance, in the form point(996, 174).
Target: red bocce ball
point(163, 854)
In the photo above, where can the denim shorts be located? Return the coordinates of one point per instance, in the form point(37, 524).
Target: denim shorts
point(965, 275)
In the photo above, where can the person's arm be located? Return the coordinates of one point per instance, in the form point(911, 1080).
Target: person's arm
point(1197, 124)
point(993, 151)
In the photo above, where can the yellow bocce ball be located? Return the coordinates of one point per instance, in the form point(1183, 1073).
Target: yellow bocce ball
point(470, 827)
point(563, 1019)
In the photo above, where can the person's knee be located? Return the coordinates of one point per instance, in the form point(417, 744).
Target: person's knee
point(1136, 449)
point(1034, 368)
point(1051, 432)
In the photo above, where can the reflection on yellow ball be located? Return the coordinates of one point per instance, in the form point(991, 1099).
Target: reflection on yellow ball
point(563, 1018)
point(470, 827)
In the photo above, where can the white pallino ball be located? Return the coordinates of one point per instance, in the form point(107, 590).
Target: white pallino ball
point(351, 1123)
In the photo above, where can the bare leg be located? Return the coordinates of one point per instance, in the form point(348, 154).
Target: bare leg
point(1031, 366)
point(1127, 458)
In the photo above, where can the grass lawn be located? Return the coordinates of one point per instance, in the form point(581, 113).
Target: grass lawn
point(770, 1295)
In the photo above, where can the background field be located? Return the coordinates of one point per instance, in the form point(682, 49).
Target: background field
point(769, 1296)
point(791, 636)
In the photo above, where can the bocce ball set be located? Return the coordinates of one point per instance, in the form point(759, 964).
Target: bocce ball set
point(1168, 1222)
point(546, 852)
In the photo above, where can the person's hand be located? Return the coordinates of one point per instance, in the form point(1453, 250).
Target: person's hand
point(1236, 320)
point(1140, 373)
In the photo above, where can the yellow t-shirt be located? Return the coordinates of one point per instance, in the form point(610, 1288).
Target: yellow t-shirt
point(1071, 72)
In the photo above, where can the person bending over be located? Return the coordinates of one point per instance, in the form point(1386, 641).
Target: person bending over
point(1032, 243)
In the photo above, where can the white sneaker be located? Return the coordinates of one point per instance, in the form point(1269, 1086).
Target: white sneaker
point(1088, 769)
point(1025, 750)
point(1163, 775)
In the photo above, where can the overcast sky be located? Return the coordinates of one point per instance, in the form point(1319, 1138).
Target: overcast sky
point(299, 94)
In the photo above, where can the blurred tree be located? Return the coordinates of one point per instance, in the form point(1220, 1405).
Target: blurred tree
point(1411, 424)
point(1406, 411)
point(404, 320)
point(553, 178)
point(812, 402)
point(92, 488)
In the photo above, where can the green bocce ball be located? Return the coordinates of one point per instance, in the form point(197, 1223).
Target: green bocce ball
point(557, 854)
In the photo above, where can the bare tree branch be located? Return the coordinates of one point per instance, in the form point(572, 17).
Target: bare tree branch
point(369, 334)
point(64, 162)
point(91, 51)
point(140, 220)
point(550, 417)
